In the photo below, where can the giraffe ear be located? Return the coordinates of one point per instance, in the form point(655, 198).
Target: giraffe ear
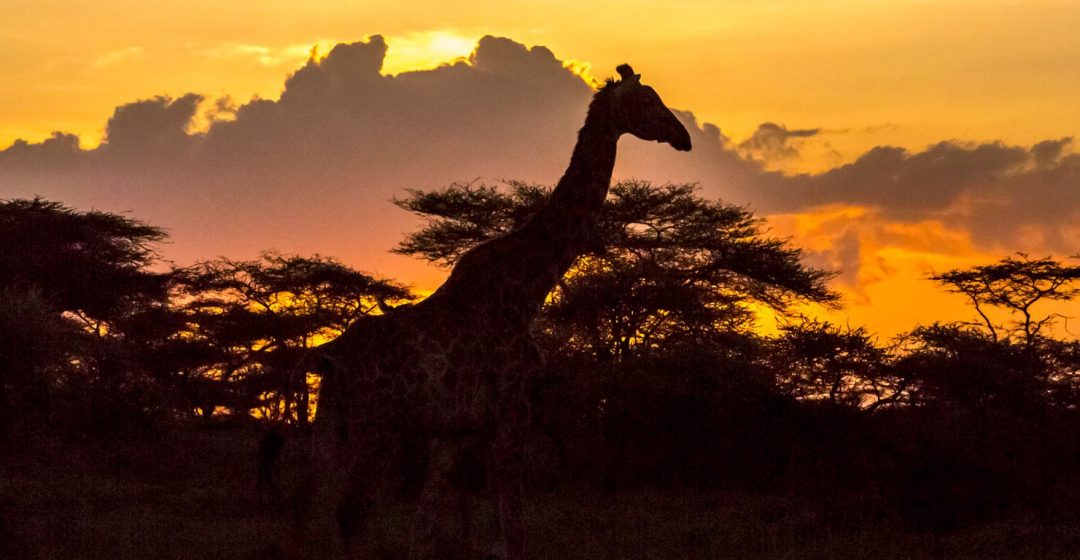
point(627, 73)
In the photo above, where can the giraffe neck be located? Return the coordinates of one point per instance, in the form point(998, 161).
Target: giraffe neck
point(511, 275)
point(560, 231)
point(575, 203)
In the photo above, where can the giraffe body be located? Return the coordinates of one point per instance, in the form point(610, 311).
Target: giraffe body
point(455, 369)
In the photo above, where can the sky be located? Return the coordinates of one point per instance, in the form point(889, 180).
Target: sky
point(889, 139)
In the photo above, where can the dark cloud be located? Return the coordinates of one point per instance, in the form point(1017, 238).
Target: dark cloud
point(502, 55)
point(774, 142)
point(1048, 152)
point(58, 149)
point(902, 182)
point(999, 193)
point(314, 170)
point(157, 125)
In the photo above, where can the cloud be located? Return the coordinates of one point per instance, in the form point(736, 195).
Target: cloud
point(114, 57)
point(995, 191)
point(157, 125)
point(1048, 153)
point(314, 170)
point(772, 141)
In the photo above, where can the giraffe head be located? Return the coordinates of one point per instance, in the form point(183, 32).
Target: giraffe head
point(638, 110)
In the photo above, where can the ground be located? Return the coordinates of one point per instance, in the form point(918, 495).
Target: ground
point(192, 495)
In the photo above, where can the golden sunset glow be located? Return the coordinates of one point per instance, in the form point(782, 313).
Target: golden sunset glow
point(425, 50)
point(583, 70)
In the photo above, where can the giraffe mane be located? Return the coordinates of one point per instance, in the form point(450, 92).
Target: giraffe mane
point(601, 97)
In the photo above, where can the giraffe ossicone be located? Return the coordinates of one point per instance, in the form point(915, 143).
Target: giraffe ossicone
point(454, 370)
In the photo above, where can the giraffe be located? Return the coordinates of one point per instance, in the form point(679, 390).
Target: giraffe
point(456, 367)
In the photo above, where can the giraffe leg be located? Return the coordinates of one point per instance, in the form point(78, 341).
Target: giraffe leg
point(345, 488)
point(317, 532)
point(321, 526)
point(506, 480)
point(506, 489)
point(368, 485)
point(442, 526)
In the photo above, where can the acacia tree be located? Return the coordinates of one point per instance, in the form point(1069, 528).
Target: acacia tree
point(1015, 285)
point(94, 265)
point(257, 317)
point(1015, 364)
point(76, 279)
point(665, 266)
point(35, 345)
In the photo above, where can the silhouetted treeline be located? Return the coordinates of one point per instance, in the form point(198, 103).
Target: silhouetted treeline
point(95, 337)
point(655, 375)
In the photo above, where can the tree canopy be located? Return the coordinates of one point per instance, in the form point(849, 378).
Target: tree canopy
point(246, 323)
point(85, 262)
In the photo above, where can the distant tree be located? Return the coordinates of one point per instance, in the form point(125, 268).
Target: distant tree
point(254, 319)
point(1061, 361)
point(960, 365)
point(666, 266)
point(815, 360)
point(1015, 285)
point(1016, 364)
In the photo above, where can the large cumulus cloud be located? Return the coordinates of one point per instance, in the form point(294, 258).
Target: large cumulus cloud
point(314, 170)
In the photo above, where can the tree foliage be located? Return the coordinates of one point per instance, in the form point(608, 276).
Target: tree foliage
point(958, 365)
point(246, 323)
point(816, 360)
point(94, 264)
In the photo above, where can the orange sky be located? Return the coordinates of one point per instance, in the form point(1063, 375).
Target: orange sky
point(851, 74)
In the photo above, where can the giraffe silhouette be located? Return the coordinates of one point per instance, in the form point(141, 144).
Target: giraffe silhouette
point(456, 367)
